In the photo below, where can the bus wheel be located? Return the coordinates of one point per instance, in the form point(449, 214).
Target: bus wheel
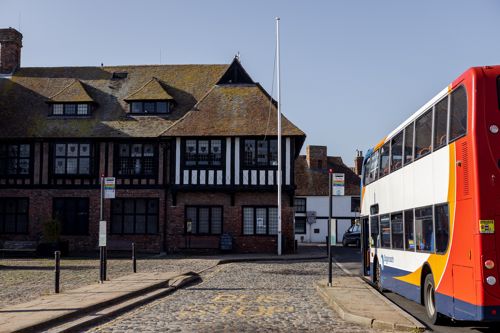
point(430, 299)
point(378, 278)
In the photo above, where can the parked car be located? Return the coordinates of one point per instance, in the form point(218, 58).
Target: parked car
point(352, 236)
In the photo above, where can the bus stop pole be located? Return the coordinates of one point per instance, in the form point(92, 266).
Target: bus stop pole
point(329, 243)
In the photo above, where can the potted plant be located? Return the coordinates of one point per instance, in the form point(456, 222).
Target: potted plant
point(51, 241)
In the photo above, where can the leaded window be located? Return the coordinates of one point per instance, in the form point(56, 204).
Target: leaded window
point(70, 109)
point(72, 158)
point(300, 205)
point(150, 107)
point(136, 159)
point(204, 219)
point(300, 225)
point(13, 215)
point(260, 153)
point(134, 216)
point(15, 159)
point(203, 153)
point(260, 220)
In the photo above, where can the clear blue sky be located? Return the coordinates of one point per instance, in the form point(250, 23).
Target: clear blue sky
point(352, 70)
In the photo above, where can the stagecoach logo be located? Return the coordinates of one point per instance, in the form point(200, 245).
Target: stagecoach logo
point(385, 260)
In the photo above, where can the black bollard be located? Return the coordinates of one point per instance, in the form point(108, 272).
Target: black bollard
point(57, 270)
point(134, 261)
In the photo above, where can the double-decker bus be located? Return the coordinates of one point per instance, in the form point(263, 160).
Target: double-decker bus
point(430, 200)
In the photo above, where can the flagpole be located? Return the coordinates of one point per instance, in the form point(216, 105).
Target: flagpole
point(279, 130)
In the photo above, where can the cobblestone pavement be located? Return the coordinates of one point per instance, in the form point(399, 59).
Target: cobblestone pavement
point(243, 297)
point(22, 280)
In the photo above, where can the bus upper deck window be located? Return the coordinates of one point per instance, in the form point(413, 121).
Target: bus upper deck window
point(409, 144)
point(397, 152)
point(384, 160)
point(440, 120)
point(423, 131)
point(458, 113)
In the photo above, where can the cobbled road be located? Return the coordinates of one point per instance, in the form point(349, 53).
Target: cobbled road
point(242, 297)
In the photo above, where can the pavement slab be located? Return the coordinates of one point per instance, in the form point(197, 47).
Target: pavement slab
point(356, 301)
point(48, 309)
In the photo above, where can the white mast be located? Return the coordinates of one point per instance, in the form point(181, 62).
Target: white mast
point(279, 129)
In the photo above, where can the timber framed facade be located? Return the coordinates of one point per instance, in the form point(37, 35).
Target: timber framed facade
point(185, 142)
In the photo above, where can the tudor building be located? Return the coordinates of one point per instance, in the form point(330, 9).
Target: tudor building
point(185, 143)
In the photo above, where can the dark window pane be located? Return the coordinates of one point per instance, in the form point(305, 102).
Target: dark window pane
point(384, 160)
point(409, 143)
point(129, 206)
point(192, 215)
point(140, 224)
point(140, 206)
point(262, 153)
point(10, 223)
point(423, 131)
point(373, 167)
point(385, 231)
point(397, 152)
point(73, 214)
point(374, 231)
point(22, 224)
point(248, 221)
point(116, 225)
point(203, 220)
point(161, 107)
point(424, 229)
point(440, 122)
point(273, 152)
point(190, 155)
point(128, 224)
point(300, 225)
point(216, 220)
point(458, 113)
point(136, 107)
point(70, 109)
point(409, 239)
point(442, 228)
point(152, 224)
point(249, 154)
point(397, 231)
point(83, 109)
point(355, 204)
point(149, 107)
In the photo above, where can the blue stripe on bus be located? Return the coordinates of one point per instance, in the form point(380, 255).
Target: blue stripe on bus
point(446, 305)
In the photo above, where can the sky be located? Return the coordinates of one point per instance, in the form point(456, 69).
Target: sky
point(351, 70)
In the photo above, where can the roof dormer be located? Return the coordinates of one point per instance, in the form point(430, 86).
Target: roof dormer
point(72, 101)
point(151, 98)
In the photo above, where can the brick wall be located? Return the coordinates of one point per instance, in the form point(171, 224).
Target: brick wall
point(232, 222)
point(10, 53)
point(40, 210)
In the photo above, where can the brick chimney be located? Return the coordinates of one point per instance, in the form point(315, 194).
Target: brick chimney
point(316, 157)
point(11, 42)
point(358, 162)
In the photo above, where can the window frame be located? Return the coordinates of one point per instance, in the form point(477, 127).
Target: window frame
point(92, 159)
point(65, 200)
point(65, 107)
point(255, 164)
point(402, 232)
point(210, 214)
point(433, 245)
point(428, 112)
point(461, 86)
point(304, 200)
point(434, 123)
point(303, 220)
point(8, 158)
point(156, 102)
point(118, 157)
point(3, 215)
point(267, 234)
point(146, 214)
point(391, 160)
point(210, 165)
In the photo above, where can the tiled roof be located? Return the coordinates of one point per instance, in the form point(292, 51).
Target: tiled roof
point(152, 90)
point(231, 110)
point(24, 110)
point(75, 92)
point(314, 182)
